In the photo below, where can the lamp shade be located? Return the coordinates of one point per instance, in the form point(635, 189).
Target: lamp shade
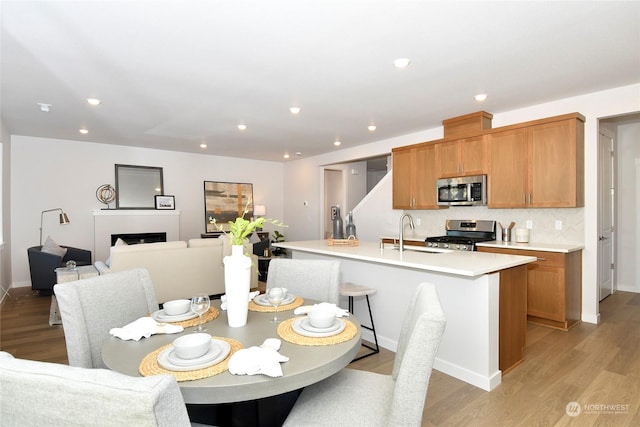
point(259, 210)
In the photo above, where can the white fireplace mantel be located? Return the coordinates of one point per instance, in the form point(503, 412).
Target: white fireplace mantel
point(121, 221)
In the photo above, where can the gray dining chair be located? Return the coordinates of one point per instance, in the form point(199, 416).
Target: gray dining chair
point(89, 308)
point(386, 400)
point(313, 279)
point(51, 394)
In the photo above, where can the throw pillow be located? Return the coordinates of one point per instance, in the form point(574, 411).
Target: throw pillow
point(51, 247)
point(119, 242)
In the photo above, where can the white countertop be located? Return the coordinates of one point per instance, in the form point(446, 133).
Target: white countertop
point(534, 246)
point(460, 263)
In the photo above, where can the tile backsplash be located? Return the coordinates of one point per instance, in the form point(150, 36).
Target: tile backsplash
point(543, 230)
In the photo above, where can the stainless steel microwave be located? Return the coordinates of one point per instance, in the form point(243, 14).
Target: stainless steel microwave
point(462, 191)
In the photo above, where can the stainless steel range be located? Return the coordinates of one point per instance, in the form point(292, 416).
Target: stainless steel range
point(463, 234)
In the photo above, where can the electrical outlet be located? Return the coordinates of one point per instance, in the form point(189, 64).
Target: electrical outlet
point(529, 224)
point(558, 224)
point(418, 222)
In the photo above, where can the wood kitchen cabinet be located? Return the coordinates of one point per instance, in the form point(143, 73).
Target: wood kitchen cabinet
point(414, 177)
point(462, 157)
point(554, 286)
point(537, 165)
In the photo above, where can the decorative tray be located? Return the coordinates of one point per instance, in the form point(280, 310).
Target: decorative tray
point(343, 242)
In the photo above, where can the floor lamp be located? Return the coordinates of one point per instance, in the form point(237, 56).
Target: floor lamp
point(64, 219)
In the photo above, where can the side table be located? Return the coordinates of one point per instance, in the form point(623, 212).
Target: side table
point(64, 274)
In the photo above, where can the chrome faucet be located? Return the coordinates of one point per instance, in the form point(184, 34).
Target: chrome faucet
point(405, 215)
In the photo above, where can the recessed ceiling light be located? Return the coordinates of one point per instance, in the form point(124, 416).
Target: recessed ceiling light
point(84, 131)
point(286, 155)
point(337, 142)
point(371, 128)
point(44, 107)
point(298, 153)
point(93, 101)
point(242, 127)
point(203, 145)
point(295, 110)
point(480, 97)
point(401, 62)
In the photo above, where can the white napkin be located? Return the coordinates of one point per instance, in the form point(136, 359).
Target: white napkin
point(305, 309)
point(264, 360)
point(144, 327)
point(223, 298)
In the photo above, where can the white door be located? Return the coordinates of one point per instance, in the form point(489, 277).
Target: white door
point(606, 207)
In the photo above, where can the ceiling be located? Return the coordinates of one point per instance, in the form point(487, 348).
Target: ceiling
point(174, 74)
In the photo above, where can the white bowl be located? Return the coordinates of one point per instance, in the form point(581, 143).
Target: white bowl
point(321, 318)
point(176, 307)
point(192, 345)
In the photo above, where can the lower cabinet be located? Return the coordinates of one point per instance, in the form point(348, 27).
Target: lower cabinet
point(554, 286)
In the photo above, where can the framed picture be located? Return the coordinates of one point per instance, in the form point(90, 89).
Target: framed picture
point(226, 201)
point(165, 202)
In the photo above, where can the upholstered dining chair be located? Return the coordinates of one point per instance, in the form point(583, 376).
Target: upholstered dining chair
point(91, 307)
point(51, 394)
point(314, 279)
point(386, 400)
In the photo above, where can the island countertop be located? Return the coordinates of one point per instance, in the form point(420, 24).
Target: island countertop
point(460, 263)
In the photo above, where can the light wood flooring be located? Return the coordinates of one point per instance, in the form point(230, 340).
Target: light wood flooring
point(593, 365)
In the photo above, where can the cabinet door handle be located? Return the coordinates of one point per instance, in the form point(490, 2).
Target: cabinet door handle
point(542, 259)
point(529, 198)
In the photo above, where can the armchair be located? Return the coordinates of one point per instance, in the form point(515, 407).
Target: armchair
point(42, 266)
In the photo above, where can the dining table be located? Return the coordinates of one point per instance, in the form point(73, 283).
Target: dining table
point(309, 361)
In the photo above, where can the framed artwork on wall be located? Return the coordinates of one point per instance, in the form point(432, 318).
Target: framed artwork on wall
point(225, 201)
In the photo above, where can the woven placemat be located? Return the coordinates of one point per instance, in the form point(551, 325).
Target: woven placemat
point(211, 314)
point(297, 302)
point(286, 332)
point(149, 365)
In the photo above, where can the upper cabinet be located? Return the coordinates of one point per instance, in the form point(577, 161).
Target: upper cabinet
point(414, 177)
point(537, 166)
point(462, 157)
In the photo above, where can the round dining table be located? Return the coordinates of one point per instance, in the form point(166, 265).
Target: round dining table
point(307, 364)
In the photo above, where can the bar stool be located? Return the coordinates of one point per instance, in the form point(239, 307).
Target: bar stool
point(351, 290)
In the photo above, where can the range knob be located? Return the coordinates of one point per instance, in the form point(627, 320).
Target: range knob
point(445, 245)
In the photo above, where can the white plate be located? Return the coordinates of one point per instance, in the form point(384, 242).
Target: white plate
point(262, 300)
point(160, 316)
point(301, 331)
point(307, 326)
point(163, 358)
point(214, 351)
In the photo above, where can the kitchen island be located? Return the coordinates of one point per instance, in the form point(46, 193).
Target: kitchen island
point(483, 296)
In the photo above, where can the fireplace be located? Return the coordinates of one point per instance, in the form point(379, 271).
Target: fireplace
point(135, 238)
point(108, 222)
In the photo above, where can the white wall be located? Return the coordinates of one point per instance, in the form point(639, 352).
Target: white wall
point(50, 173)
point(5, 254)
point(582, 222)
point(627, 227)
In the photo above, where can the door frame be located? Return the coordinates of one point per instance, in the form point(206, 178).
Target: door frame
point(606, 135)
